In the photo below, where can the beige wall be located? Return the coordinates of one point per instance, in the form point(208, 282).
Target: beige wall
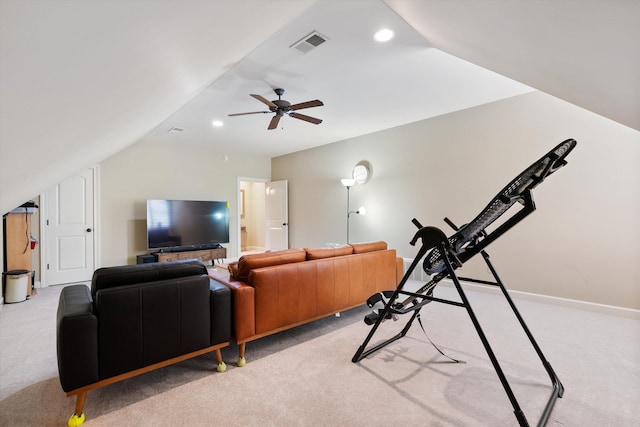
point(149, 170)
point(582, 241)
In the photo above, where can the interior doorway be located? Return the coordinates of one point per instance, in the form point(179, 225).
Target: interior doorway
point(252, 215)
point(263, 217)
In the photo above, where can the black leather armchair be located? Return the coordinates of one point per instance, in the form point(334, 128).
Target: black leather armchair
point(135, 319)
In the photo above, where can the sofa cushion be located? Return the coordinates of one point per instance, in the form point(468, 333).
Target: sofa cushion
point(320, 253)
point(110, 277)
point(360, 248)
point(246, 263)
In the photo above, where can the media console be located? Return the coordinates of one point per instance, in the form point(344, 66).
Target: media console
point(204, 255)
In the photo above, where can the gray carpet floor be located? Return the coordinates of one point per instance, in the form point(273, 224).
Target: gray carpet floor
point(305, 377)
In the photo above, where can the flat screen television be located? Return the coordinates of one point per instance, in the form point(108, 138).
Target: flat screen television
point(186, 224)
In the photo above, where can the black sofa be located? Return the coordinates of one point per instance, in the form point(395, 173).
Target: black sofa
point(135, 319)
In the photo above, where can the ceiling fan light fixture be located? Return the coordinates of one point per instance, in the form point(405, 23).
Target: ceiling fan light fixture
point(383, 35)
point(282, 107)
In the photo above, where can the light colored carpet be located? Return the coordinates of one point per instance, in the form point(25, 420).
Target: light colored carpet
point(305, 377)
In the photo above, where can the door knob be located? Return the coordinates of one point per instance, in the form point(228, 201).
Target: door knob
point(88, 230)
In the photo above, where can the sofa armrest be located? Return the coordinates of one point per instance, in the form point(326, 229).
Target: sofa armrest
point(220, 309)
point(242, 303)
point(76, 338)
point(399, 270)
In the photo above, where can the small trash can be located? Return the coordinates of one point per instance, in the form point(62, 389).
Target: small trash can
point(16, 284)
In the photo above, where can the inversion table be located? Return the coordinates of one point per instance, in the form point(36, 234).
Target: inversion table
point(442, 256)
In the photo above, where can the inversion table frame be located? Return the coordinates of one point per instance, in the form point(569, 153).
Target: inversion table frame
point(442, 256)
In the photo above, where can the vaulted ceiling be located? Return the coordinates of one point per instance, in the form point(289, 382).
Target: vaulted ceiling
point(80, 81)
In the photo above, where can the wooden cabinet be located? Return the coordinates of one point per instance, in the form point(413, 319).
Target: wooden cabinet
point(204, 255)
point(17, 234)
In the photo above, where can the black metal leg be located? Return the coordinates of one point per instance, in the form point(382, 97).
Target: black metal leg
point(558, 388)
point(494, 361)
point(361, 353)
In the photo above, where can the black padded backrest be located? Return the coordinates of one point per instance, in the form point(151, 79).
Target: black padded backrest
point(501, 203)
point(146, 323)
point(527, 180)
point(110, 277)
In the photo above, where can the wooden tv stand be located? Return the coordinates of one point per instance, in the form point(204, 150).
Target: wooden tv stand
point(204, 255)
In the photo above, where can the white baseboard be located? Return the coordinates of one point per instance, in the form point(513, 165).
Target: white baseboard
point(562, 302)
point(546, 299)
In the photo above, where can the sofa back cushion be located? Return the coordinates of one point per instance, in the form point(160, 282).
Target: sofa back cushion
point(142, 324)
point(360, 248)
point(111, 277)
point(296, 293)
point(246, 263)
point(320, 253)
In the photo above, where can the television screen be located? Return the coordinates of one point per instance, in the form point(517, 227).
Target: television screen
point(186, 223)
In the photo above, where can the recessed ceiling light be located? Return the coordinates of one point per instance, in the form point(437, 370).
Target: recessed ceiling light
point(383, 35)
point(217, 123)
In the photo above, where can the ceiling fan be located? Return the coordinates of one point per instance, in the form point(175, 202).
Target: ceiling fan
point(282, 107)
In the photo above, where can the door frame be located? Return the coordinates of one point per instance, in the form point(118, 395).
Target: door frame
point(238, 201)
point(44, 241)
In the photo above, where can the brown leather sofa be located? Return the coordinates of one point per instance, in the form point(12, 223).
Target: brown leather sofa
point(275, 291)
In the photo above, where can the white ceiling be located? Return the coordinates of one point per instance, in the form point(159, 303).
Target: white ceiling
point(586, 52)
point(366, 86)
point(80, 81)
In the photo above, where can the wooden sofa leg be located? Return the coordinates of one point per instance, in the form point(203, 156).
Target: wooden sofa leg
point(78, 416)
point(221, 365)
point(241, 360)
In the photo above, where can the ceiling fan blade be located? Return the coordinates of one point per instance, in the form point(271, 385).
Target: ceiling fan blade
point(253, 112)
point(274, 122)
point(264, 100)
point(305, 118)
point(308, 104)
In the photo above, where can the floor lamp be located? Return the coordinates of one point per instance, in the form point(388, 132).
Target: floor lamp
point(348, 182)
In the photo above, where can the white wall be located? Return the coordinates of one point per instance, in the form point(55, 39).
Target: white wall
point(581, 242)
point(149, 170)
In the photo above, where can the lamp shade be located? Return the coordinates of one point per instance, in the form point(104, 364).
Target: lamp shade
point(348, 182)
point(362, 210)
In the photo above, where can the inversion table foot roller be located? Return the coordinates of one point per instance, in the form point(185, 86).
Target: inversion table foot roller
point(443, 255)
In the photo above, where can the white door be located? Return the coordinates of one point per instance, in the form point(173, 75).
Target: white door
point(277, 215)
point(69, 230)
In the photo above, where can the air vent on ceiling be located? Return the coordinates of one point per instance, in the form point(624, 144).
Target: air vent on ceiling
point(308, 42)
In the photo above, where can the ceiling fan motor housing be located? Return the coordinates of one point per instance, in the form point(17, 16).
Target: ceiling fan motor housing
point(281, 105)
